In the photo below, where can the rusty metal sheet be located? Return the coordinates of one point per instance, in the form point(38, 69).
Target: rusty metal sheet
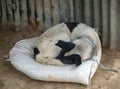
point(100, 14)
point(47, 14)
point(55, 11)
point(4, 12)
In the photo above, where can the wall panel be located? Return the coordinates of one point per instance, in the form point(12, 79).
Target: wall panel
point(101, 14)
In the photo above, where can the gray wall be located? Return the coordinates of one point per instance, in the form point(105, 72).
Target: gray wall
point(102, 14)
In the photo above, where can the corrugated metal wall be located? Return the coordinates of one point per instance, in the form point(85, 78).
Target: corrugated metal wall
point(102, 14)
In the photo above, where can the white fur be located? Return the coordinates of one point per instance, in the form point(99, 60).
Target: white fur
point(86, 40)
point(83, 48)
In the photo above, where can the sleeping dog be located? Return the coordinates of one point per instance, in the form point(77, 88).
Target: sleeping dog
point(83, 44)
point(65, 47)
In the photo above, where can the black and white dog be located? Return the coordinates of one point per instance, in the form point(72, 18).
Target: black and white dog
point(83, 44)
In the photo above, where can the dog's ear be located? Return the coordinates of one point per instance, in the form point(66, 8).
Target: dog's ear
point(67, 46)
point(36, 51)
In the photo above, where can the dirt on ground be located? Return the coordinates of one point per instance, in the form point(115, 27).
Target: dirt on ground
point(10, 78)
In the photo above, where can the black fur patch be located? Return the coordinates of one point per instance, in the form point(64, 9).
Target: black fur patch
point(36, 51)
point(71, 25)
point(71, 59)
point(67, 46)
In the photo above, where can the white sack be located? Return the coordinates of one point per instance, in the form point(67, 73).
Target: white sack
point(21, 57)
